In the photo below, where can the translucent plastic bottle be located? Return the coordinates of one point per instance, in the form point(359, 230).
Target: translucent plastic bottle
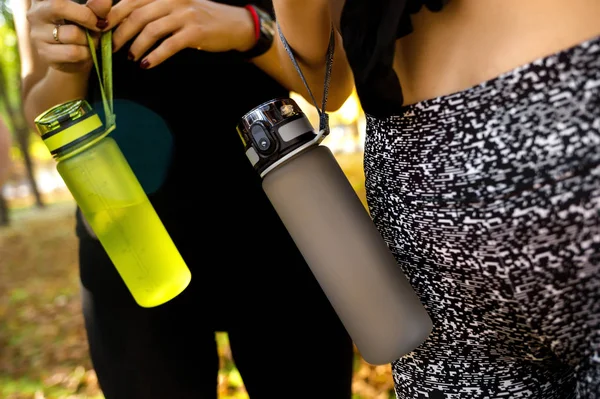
point(114, 203)
point(334, 233)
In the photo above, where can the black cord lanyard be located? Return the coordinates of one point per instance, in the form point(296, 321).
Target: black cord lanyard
point(323, 116)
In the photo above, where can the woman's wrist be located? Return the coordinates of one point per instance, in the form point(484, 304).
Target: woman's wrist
point(54, 88)
point(75, 84)
point(244, 35)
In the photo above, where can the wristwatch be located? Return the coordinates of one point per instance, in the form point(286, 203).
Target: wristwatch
point(264, 32)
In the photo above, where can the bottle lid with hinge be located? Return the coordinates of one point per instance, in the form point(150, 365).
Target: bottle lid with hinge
point(273, 132)
point(66, 125)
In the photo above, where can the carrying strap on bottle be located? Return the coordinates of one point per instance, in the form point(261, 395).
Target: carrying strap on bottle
point(106, 84)
point(104, 77)
point(323, 116)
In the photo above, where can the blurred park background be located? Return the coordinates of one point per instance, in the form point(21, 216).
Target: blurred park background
point(43, 348)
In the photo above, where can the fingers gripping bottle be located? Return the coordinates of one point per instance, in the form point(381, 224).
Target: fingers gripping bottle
point(114, 203)
point(334, 232)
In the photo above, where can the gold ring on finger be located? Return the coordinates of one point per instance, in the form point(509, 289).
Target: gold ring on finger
point(55, 33)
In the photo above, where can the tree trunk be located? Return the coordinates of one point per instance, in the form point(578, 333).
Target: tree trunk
point(22, 132)
point(23, 140)
point(4, 215)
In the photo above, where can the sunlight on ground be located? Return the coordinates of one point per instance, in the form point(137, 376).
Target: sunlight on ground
point(44, 349)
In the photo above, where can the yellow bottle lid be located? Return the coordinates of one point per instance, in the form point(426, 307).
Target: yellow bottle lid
point(68, 124)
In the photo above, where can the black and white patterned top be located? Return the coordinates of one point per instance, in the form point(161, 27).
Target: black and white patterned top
point(490, 201)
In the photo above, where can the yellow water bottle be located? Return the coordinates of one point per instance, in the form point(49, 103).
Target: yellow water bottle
point(114, 203)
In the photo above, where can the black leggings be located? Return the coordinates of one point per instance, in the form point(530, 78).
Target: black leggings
point(285, 339)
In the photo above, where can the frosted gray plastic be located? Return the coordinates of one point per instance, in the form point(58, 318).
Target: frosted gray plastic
point(348, 256)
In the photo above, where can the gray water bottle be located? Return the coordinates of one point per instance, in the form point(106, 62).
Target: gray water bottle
point(334, 232)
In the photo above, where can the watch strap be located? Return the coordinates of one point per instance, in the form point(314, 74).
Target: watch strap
point(262, 33)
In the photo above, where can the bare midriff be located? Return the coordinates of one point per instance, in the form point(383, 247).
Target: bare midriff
point(472, 41)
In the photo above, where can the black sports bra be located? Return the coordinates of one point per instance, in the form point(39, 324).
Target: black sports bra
point(369, 29)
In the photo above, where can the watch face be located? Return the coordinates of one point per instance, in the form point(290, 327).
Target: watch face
point(267, 25)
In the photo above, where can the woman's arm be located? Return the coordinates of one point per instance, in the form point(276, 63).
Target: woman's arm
point(306, 25)
point(44, 84)
point(218, 27)
point(39, 86)
point(53, 88)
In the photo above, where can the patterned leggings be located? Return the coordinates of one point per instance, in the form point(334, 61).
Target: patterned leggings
point(490, 200)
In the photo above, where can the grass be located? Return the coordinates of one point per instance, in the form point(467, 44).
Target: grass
point(42, 339)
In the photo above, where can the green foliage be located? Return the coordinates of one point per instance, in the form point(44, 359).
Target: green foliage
point(6, 15)
point(10, 65)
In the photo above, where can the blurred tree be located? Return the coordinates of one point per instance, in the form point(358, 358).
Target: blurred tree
point(10, 93)
point(4, 215)
point(4, 169)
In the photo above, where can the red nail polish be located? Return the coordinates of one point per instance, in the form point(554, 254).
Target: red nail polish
point(102, 23)
point(130, 56)
point(145, 64)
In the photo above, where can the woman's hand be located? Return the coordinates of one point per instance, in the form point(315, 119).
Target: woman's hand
point(63, 45)
point(200, 24)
